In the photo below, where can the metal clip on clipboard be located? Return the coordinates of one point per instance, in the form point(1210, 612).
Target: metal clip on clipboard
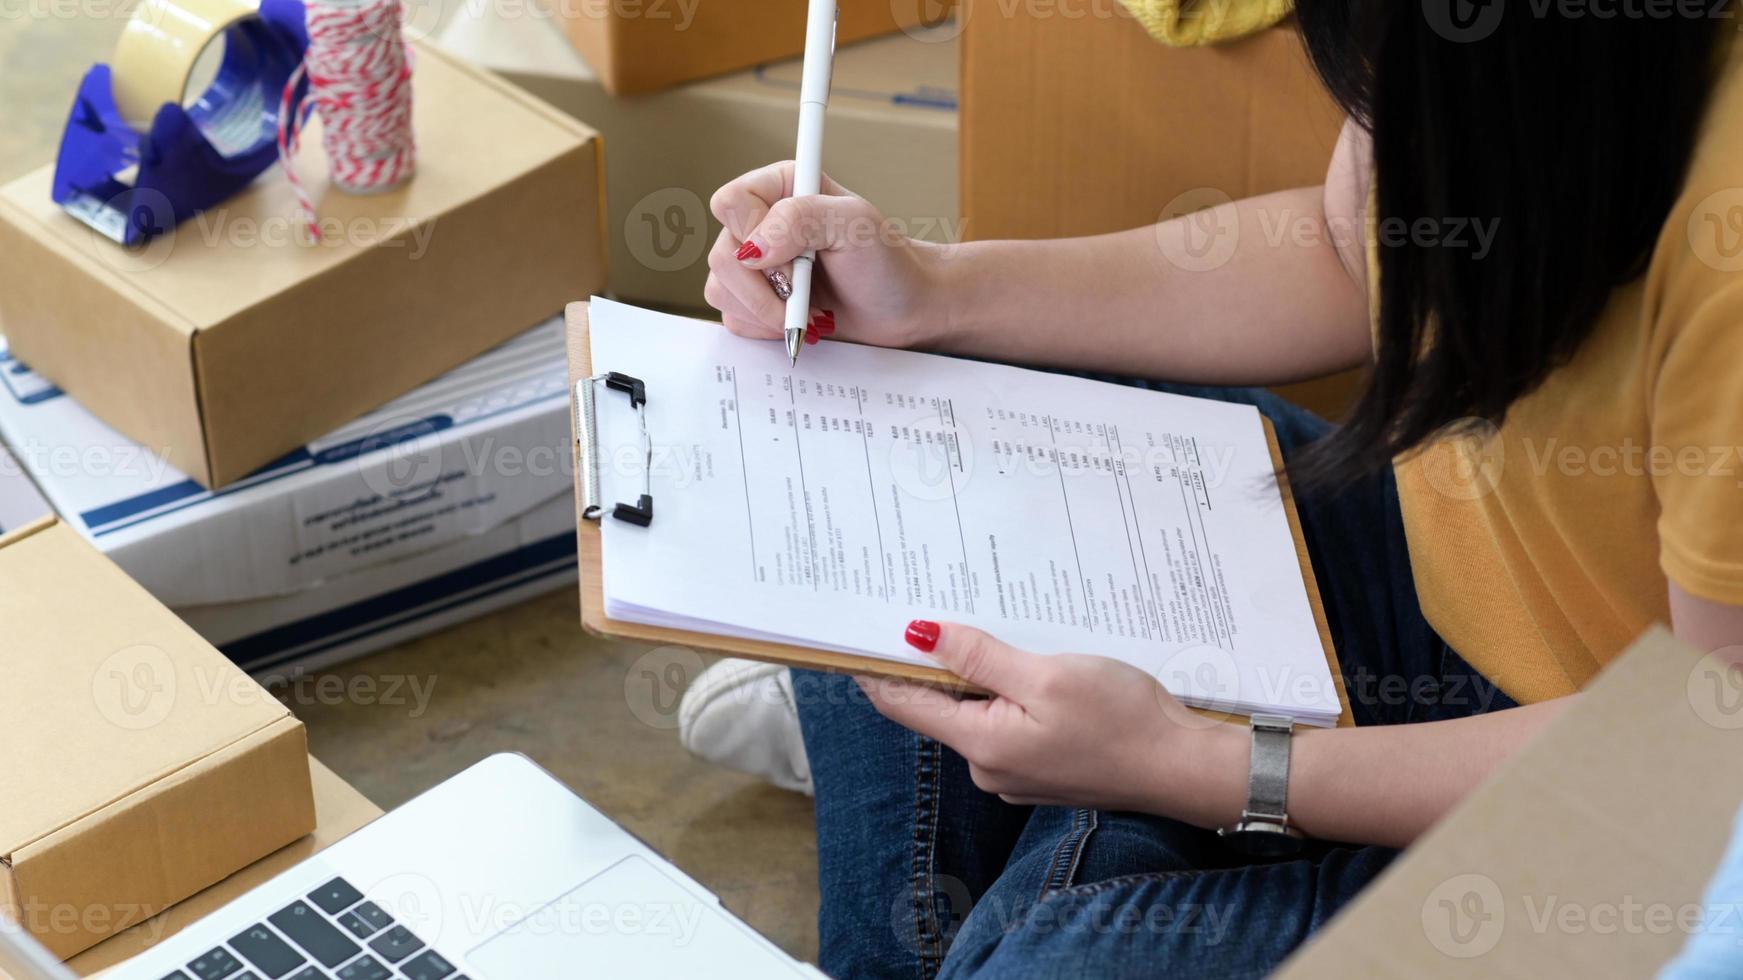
point(587, 433)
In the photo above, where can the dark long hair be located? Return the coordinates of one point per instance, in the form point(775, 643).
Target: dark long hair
point(1567, 136)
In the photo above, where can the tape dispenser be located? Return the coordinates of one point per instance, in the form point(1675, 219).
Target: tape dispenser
point(137, 157)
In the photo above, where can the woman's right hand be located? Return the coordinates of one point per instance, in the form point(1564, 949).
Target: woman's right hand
point(872, 284)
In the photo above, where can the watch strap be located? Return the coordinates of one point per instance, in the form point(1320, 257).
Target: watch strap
point(1268, 773)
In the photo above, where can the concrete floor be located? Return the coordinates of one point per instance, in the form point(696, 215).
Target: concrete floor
point(525, 679)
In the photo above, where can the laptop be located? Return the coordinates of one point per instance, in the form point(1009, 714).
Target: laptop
point(500, 873)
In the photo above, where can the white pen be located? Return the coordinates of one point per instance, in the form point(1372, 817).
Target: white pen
point(808, 155)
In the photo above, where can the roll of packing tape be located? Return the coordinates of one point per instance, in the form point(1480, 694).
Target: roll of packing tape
point(155, 58)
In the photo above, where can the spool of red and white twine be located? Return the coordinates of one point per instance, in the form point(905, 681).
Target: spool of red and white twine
point(359, 75)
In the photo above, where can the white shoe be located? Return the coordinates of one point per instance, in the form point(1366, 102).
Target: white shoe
point(740, 715)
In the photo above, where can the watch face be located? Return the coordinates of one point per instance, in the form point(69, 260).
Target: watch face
point(1266, 843)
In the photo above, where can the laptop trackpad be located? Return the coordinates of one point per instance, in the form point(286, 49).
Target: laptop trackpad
point(631, 920)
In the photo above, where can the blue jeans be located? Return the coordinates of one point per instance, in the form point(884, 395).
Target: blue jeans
point(923, 875)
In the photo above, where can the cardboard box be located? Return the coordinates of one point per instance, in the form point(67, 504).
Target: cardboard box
point(140, 765)
point(232, 342)
point(339, 810)
point(644, 45)
point(1086, 125)
point(1586, 855)
point(892, 139)
point(281, 638)
point(444, 503)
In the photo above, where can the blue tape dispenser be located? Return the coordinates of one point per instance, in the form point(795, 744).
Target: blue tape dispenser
point(135, 160)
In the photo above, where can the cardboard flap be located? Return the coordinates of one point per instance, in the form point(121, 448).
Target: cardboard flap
point(1581, 856)
point(36, 526)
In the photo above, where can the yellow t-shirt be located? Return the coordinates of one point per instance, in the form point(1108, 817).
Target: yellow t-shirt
point(1542, 551)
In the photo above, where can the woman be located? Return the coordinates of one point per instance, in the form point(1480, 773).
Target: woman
point(1547, 302)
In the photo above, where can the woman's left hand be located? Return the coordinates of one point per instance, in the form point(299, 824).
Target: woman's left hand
point(1071, 730)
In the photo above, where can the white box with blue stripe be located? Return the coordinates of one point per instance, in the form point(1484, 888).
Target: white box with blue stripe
point(450, 501)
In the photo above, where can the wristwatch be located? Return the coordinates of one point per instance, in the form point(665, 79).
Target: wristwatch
point(1264, 830)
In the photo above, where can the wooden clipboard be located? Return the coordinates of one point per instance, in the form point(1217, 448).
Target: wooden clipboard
point(594, 620)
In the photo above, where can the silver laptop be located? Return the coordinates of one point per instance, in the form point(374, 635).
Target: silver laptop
point(500, 873)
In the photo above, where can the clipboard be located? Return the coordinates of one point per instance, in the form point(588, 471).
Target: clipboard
point(594, 620)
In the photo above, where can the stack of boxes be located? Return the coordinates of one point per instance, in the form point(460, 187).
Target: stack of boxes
point(311, 451)
point(442, 504)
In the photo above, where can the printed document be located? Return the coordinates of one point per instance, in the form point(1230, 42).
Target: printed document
point(830, 503)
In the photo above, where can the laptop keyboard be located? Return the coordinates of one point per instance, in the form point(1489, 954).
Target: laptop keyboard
point(333, 934)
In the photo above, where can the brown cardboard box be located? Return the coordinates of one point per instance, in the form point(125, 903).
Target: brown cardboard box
point(1084, 125)
point(339, 810)
point(1586, 855)
point(140, 765)
point(232, 342)
point(646, 45)
point(892, 139)
point(1081, 125)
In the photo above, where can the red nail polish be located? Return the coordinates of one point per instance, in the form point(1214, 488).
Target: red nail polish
point(749, 250)
point(811, 335)
point(825, 327)
point(922, 635)
point(826, 322)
